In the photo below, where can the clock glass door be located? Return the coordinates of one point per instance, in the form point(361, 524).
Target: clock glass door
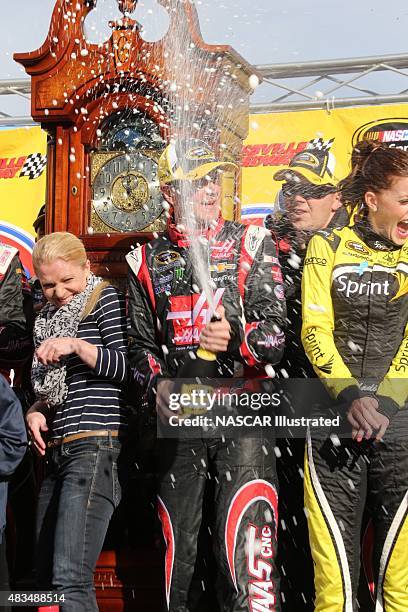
point(125, 187)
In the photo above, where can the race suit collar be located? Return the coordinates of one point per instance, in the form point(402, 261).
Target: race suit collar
point(288, 236)
point(364, 230)
point(178, 237)
point(340, 218)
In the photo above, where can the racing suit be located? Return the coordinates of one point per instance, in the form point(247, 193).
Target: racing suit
point(294, 550)
point(355, 333)
point(16, 314)
point(16, 349)
point(166, 319)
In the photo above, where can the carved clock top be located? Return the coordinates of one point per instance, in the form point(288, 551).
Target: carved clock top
point(127, 6)
point(68, 72)
point(109, 108)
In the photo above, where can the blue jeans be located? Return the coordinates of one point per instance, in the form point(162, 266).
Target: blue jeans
point(80, 491)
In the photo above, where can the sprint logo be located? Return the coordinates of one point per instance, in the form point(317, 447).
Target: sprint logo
point(350, 288)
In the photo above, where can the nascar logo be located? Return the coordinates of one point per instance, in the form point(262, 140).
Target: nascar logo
point(200, 152)
point(357, 247)
point(166, 258)
point(392, 131)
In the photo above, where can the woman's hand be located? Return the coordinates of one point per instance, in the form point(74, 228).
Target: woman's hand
point(50, 351)
point(216, 334)
point(365, 419)
point(37, 423)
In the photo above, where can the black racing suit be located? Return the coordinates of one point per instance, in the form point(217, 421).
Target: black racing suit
point(16, 314)
point(294, 550)
point(292, 252)
point(166, 319)
point(16, 349)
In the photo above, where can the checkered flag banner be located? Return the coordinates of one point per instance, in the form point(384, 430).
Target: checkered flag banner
point(34, 165)
point(320, 144)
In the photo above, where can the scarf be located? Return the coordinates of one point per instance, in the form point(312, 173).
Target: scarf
point(49, 380)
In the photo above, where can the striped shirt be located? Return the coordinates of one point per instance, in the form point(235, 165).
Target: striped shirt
point(95, 397)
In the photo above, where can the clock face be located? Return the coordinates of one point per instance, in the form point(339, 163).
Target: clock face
point(126, 192)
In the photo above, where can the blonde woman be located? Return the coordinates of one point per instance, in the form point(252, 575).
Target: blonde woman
point(79, 420)
point(355, 334)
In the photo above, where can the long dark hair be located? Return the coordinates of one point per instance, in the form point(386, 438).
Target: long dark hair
point(373, 167)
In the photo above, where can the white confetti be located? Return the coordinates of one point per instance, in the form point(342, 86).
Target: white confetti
point(268, 516)
point(316, 307)
point(354, 347)
point(293, 263)
point(253, 81)
point(335, 439)
point(270, 371)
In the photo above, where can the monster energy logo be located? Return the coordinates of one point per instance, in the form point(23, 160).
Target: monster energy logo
point(179, 273)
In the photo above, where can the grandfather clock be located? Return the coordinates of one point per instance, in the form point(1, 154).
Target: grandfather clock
point(106, 110)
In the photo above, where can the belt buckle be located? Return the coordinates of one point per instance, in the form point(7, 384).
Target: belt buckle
point(53, 443)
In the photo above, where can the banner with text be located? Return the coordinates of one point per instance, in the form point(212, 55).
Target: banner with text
point(274, 139)
point(22, 187)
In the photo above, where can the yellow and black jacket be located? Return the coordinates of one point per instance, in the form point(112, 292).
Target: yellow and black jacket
point(355, 314)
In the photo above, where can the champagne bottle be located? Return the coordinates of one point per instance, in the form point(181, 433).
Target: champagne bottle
point(203, 369)
point(201, 365)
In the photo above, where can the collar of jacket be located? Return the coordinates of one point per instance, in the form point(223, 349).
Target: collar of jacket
point(179, 238)
point(364, 230)
point(287, 237)
point(340, 218)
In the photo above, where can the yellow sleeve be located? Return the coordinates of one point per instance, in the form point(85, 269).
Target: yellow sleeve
point(318, 318)
point(395, 383)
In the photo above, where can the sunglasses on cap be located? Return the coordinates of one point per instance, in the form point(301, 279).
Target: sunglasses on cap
point(211, 177)
point(307, 190)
